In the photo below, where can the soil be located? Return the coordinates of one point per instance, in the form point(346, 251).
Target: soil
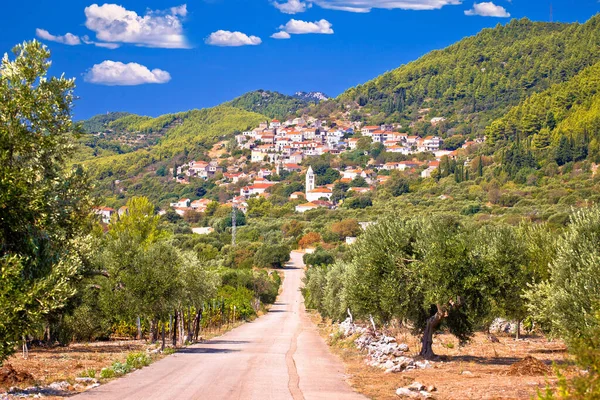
point(509, 369)
point(529, 366)
point(10, 377)
point(45, 365)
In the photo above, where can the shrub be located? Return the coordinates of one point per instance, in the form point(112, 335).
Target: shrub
point(138, 360)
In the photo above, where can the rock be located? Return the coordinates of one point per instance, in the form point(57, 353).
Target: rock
point(86, 380)
point(425, 394)
point(423, 364)
point(431, 388)
point(500, 325)
point(466, 373)
point(416, 386)
point(403, 347)
point(59, 385)
point(404, 392)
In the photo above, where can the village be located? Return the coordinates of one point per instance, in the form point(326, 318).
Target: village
point(277, 147)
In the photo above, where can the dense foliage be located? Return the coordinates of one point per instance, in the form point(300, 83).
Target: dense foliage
point(479, 78)
point(43, 204)
point(271, 104)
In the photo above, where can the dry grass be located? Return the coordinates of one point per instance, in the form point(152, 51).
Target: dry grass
point(478, 370)
point(47, 365)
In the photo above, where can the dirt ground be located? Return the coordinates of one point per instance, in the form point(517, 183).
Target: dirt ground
point(53, 364)
point(479, 370)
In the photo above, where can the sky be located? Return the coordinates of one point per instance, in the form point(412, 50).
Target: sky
point(153, 57)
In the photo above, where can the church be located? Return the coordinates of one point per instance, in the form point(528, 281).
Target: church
point(313, 192)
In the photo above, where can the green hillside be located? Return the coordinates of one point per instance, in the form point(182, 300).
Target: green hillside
point(479, 78)
point(192, 132)
point(570, 110)
point(99, 123)
point(271, 104)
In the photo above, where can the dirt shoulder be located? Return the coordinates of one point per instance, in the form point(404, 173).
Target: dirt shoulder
point(479, 370)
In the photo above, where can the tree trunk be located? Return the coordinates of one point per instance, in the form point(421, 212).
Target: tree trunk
point(427, 341)
point(164, 337)
point(518, 330)
point(174, 330)
point(181, 327)
point(152, 337)
point(189, 325)
point(139, 328)
point(432, 323)
point(197, 324)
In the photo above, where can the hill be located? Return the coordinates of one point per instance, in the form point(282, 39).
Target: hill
point(99, 123)
point(273, 104)
point(191, 133)
point(479, 78)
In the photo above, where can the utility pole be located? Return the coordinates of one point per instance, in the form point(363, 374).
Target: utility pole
point(233, 223)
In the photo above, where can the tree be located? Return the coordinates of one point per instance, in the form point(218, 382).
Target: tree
point(272, 255)
point(319, 257)
point(569, 300)
point(421, 271)
point(346, 228)
point(43, 204)
point(310, 239)
point(397, 184)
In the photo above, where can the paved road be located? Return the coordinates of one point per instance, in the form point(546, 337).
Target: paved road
point(279, 356)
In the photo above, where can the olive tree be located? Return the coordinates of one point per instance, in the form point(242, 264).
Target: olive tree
point(43, 203)
point(423, 272)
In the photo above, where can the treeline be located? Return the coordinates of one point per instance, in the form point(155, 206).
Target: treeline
point(138, 272)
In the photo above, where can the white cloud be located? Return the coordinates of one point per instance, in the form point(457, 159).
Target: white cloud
point(114, 73)
point(296, 27)
point(112, 46)
point(115, 24)
point(488, 10)
point(364, 6)
point(281, 35)
point(292, 6)
point(232, 39)
point(68, 39)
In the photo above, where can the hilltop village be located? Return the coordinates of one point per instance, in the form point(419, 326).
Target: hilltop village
point(276, 149)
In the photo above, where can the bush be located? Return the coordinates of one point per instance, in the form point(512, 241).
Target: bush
point(138, 360)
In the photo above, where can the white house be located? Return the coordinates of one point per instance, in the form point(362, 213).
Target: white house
point(306, 207)
point(105, 213)
point(183, 203)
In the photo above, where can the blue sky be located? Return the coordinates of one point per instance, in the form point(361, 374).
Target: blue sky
point(172, 55)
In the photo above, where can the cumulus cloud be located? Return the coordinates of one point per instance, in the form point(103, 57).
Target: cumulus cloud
point(292, 6)
point(296, 27)
point(488, 9)
point(114, 24)
point(364, 6)
point(281, 35)
point(232, 39)
point(68, 38)
point(114, 73)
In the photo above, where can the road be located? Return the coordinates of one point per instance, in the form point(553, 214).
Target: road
point(279, 356)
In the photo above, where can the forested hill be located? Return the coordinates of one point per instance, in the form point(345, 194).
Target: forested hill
point(272, 104)
point(183, 135)
point(100, 122)
point(479, 78)
point(563, 121)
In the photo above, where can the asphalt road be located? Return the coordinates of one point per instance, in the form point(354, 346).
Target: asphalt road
point(278, 356)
